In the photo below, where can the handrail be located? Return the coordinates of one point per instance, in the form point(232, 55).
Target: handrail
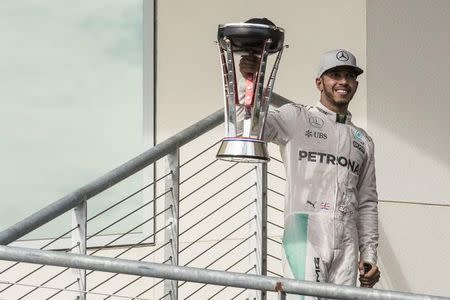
point(240, 280)
point(109, 179)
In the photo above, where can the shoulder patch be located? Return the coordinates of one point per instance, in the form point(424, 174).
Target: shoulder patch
point(361, 135)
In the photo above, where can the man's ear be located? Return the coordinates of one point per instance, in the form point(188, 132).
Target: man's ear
point(319, 84)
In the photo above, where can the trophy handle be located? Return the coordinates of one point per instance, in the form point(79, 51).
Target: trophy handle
point(268, 94)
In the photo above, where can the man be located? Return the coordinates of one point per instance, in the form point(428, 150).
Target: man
point(331, 212)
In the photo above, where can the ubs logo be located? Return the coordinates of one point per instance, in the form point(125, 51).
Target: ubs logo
point(316, 134)
point(316, 122)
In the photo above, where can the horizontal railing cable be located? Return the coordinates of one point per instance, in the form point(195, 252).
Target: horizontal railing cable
point(218, 242)
point(275, 208)
point(150, 288)
point(45, 282)
point(198, 171)
point(216, 193)
point(276, 274)
point(139, 277)
point(274, 257)
point(119, 237)
point(217, 226)
point(208, 182)
point(238, 294)
point(165, 295)
point(274, 224)
point(135, 227)
point(220, 257)
point(217, 209)
point(275, 241)
point(227, 269)
point(273, 191)
point(128, 214)
point(140, 259)
point(276, 176)
point(128, 197)
point(200, 153)
point(276, 159)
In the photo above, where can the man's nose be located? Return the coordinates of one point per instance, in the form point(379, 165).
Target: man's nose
point(343, 79)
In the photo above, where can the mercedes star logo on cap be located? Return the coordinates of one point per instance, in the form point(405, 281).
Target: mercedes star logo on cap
point(342, 56)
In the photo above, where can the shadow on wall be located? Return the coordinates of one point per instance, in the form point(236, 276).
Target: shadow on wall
point(392, 277)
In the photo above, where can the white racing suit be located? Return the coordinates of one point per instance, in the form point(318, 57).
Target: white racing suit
point(330, 199)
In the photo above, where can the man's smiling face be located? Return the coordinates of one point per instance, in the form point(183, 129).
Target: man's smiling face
point(337, 87)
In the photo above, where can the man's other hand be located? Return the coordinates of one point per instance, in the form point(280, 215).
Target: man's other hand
point(369, 274)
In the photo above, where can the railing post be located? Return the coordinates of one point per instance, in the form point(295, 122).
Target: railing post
point(172, 183)
point(259, 210)
point(79, 220)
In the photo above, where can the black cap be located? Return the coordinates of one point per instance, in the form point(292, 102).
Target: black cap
point(263, 21)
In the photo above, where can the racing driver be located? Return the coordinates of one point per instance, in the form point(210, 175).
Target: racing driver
point(331, 214)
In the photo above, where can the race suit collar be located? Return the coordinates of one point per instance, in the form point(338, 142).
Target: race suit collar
point(339, 118)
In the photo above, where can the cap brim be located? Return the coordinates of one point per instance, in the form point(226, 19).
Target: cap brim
point(357, 70)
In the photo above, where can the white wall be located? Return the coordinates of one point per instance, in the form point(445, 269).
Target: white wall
point(408, 97)
point(408, 69)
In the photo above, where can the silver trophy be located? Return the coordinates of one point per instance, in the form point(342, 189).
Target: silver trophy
point(245, 118)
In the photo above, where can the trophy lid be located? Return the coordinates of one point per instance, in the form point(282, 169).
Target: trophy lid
point(250, 37)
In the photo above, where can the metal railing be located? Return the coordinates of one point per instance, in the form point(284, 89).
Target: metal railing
point(147, 269)
point(205, 215)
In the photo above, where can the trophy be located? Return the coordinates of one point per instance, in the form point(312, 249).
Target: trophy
point(245, 114)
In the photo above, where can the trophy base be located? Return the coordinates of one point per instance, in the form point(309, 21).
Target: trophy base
point(243, 150)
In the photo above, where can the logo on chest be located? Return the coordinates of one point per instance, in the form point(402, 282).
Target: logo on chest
point(329, 159)
point(316, 122)
point(316, 134)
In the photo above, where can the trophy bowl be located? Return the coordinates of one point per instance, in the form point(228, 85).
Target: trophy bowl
point(246, 112)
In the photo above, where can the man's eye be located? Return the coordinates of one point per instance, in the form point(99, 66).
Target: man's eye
point(352, 76)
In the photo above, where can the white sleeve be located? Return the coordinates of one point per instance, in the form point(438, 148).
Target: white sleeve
point(280, 123)
point(368, 210)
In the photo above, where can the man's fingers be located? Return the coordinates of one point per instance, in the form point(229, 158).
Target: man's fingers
point(374, 270)
point(369, 284)
point(369, 274)
point(367, 281)
point(373, 279)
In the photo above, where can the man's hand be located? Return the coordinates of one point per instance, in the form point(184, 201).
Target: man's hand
point(248, 65)
point(368, 274)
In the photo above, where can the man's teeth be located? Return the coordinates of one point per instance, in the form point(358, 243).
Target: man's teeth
point(344, 92)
